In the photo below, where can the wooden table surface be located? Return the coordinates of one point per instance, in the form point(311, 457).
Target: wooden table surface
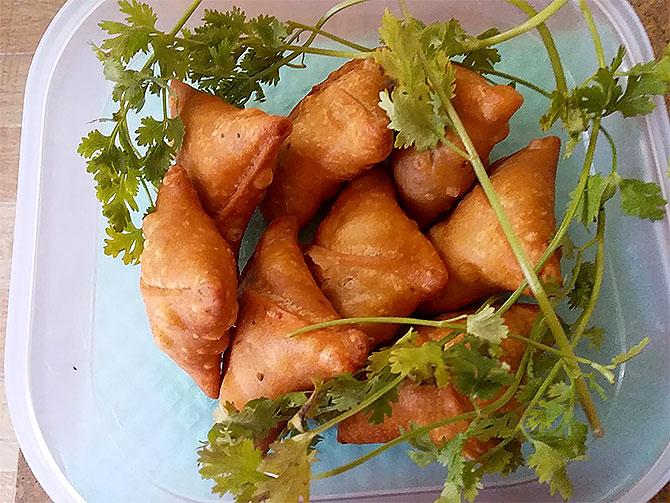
point(22, 23)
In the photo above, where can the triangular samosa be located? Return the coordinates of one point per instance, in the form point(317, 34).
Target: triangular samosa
point(339, 131)
point(370, 259)
point(277, 296)
point(472, 243)
point(188, 281)
point(422, 404)
point(230, 154)
point(431, 182)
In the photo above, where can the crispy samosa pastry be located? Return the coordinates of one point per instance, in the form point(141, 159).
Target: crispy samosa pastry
point(472, 243)
point(424, 404)
point(370, 259)
point(230, 154)
point(188, 281)
point(339, 131)
point(277, 296)
point(431, 182)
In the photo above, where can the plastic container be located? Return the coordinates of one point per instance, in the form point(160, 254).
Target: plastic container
point(102, 415)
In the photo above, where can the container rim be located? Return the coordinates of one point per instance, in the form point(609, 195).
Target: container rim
point(19, 320)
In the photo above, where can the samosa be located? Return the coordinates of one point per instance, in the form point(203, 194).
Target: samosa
point(423, 404)
point(472, 243)
point(230, 154)
point(277, 296)
point(188, 282)
point(431, 182)
point(339, 131)
point(370, 258)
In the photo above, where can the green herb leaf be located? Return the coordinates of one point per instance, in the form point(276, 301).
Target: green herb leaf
point(488, 325)
point(550, 466)
point(289, 468)
point(580, 295)
point(632, 352)
point(642, 199)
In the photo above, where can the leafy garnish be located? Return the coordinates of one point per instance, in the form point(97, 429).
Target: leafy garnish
point(488, 325)
point(642, 199)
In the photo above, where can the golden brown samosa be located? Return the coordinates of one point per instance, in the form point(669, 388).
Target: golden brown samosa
point(277, 296)
point(188, 281)
point(230, 154)
point(370, 259)
point(339, 131)
point(422, 404)
point(431, 182)
point(472, 243)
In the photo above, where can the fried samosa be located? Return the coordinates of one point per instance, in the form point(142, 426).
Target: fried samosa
point(421, 404)
point(277, 296)
point(230, 154)
point(431, 182)
point(370, 259)
point(339, 131)
point(188, 282)
point(472, 243)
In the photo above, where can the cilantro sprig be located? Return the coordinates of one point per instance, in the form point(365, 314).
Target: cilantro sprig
point(228, 54)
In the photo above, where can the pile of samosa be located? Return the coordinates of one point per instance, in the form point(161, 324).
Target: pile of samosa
point(404, 232)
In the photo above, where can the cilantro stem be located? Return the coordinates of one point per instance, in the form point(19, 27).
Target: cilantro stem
point(595, 365)
point(185, 17)
point(392, 320)
point(613, 148)
point(299, 49)
point(550, 45)
point(328, 35)
point(584, 318)
point(597, 42)
point(516, 79)
point(524, 27)
point(543, 301)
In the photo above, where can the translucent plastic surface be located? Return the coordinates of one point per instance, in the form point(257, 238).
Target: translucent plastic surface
point(102, 415)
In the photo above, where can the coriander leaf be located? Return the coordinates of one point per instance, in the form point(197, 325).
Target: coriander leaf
point(138, 13)
point(451, 493)
point(415, 57)
point(495, 426)
point(259, 417)
point(472, 483)
point(580, 295)
point(92, 144)
point(425, 451)
point(642, 199)
point(632, 352)
point(232, 463)
point(422, 363)
point(289, 468)
point(595, 335)
point(485, 58)
point(488, 325)
point(413, 118)
point(381, 408)
point(559, 403)
point(128, 243)
point(150, 131)
point(599, 189)
point(451, 457)
point(474, 373)
point(595, 386)
point(645, 81)
point(550, 466)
